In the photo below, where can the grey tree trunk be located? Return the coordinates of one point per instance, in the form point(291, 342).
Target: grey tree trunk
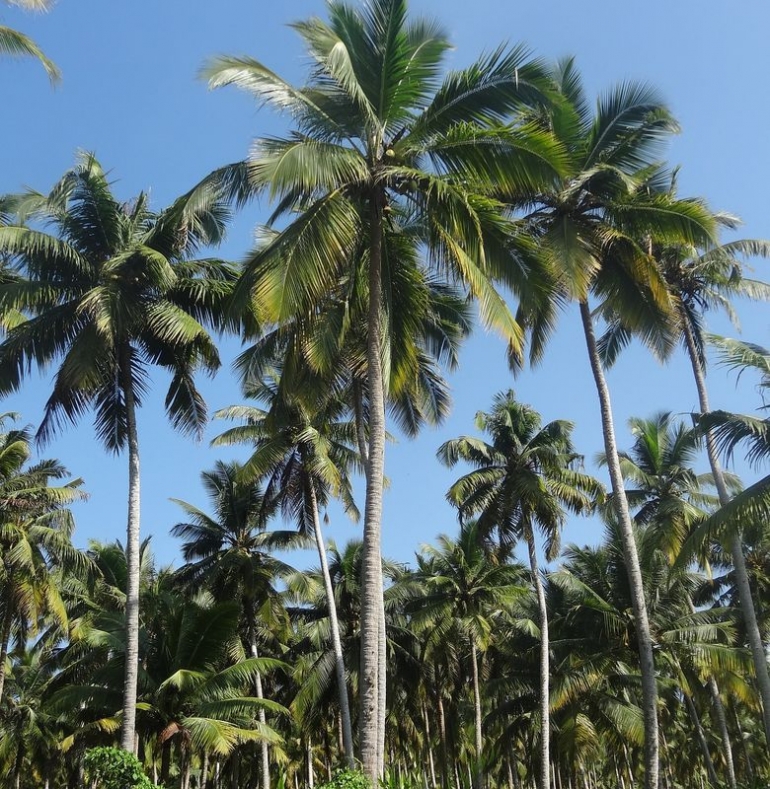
point(204, 770)
point(371, 571)
point(263, 746)
point(631, 557)
point(701, 735)
point(478, 780)
point(128, 739)
point(721, 718)
point(736, 543)
point(339, 660)
point(5, 637)
point(545, 669)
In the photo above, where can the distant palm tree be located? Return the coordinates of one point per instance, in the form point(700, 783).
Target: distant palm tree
point(35, 540)
point(303, 455)
point(229, 554)
point(14, 43)
point(108, 296)
point(523, 480)
point(459, 594)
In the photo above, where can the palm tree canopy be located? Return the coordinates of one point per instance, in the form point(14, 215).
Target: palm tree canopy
point(524, 478)
point(109, 294)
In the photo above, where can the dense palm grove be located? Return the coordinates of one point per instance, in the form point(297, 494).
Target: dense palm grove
point(407, 201)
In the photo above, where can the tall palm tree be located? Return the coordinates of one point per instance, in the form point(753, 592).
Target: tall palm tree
point(12, 42)
point(593, 229)
point(377, 131)
point(304, 455)
point(523, 480)
point(110, 294)
point(229, 553)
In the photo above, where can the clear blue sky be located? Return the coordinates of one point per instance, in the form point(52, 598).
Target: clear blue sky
point(130, 94)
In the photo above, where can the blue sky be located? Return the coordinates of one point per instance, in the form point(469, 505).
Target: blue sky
point(130, 94)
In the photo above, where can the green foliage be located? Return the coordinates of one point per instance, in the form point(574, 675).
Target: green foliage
point(114, 768)
point(348, 779)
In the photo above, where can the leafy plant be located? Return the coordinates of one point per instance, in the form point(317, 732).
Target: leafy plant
point(114, 768)
point(348, 779)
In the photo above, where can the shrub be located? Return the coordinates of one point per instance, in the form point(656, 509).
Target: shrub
point(347, 779)
point(114, 768)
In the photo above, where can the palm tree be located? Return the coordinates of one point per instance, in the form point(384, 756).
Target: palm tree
point(378, 133)
point(593, 229)
point(670, 501)
point(229, 553)
point(35, 532)
point(111, 294)
point(305, 457)
point(14, 43)
point(460, 594)
point(524, 479)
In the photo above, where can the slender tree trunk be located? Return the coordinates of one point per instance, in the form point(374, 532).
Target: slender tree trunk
point(545, 670)
point(745, 743)
point(721, 718)
point(204, 770)
point(701, 735)
point(478, 781)
point(5, 637)
point(263, 746)
point(636, 586)
point(128, 739)
point(429, 744)
point(339, 659)
point(310, 770)
point(371, 571)
point(736, 543)
point(445, 761)
point(382, 678)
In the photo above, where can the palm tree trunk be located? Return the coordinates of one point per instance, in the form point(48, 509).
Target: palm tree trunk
point(5, 637)
point(263, 746)
point(128, 739)
point(545, 669)
point(371, 570)
point(479, 776)
point(429, 745)
point(445, 761)
point(721, 718)
point(636, 586)
point(736, 544)
point(701, 735)
point(339, 659)
point(204, 770)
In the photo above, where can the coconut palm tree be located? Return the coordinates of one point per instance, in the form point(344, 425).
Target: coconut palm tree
point(460, 594)
point(111, 293)
point(229, 554)
point(523, 480)
point(701, 279)
point(304, 456)
point(594, 229)
point(35, 540)
point(12, 42)
point(378, 131)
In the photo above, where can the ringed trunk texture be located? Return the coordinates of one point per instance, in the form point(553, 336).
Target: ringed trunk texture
point(478, 779)
point(371, 570)
point(736, 543)
point(631, 556)
point(545, 669)
point(128, 739)
point(339, 660)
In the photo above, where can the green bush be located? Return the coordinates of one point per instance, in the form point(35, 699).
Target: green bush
point(114, 768)
point(347, 779)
